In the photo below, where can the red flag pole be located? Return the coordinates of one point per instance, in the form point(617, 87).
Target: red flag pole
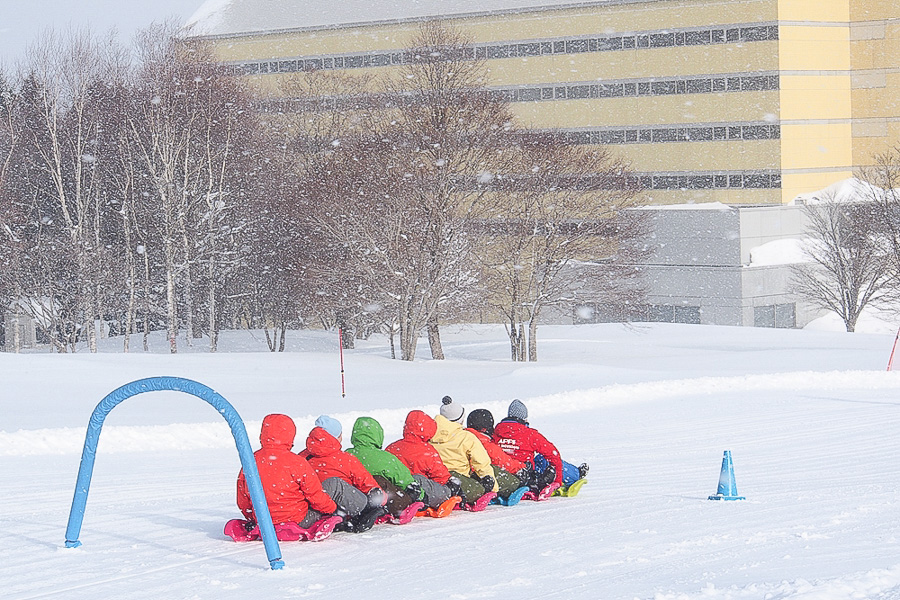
point(341, 349)
point(891, 360)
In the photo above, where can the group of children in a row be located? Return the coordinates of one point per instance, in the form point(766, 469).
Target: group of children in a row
point(435, 467)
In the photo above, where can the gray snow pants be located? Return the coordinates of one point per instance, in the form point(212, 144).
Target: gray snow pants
point(348, 498)
point(434, 494)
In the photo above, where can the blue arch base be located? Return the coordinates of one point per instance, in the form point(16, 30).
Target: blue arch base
point(175, 384)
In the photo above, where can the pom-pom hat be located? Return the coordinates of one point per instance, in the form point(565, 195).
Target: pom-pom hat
point(451, 410)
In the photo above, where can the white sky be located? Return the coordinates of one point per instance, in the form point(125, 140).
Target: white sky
point(21, 22)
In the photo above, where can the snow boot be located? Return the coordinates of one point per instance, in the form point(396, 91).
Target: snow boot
point(365, 520)
point(241, 531)
point(322, 528)
point(583, 470)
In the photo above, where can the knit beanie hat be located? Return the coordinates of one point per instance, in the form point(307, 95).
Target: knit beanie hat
point(481, 419)
point(517, 410)
point(451, 410)
point(329, 424)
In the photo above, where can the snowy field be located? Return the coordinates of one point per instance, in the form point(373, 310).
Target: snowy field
point(811, 417)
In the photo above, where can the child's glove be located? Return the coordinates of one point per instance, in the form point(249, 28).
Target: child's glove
point(414, 490)
point(455, 486)
point(525, 476)
point(488, 482)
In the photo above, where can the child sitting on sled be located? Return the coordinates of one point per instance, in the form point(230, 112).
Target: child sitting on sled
point(549, 471)
point(293, 493)
point(512, 476)
point(352, 487)
point(392, 475)
point(464, 456)
point(439, 489)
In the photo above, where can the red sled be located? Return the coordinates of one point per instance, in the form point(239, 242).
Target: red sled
point(480, 504)
point(241, 530)
point(543, 494)
point(406, 515)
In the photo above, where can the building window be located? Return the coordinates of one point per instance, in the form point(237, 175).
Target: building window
point(687, 314)
point(781, 316)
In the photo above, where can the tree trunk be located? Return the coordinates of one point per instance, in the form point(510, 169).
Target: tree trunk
point(512, 332)
point(146, 332)
point(434, 339)
point(391, 337)
point(188, 286)
point(408, 335)
point(532, 339)
point(520, 343)
point(171, 306)
point(213, 329)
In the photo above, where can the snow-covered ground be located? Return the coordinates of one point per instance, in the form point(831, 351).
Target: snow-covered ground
point(811, 417)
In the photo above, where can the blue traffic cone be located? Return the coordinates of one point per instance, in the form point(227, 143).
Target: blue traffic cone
point(727, 485)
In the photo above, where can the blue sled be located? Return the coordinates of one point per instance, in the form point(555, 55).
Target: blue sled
point(513, 499)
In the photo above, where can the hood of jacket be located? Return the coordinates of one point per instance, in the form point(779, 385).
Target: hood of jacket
point(446, 429)
point(367, 433)
point(321, 443)
point(277, 432)
point(418, 426)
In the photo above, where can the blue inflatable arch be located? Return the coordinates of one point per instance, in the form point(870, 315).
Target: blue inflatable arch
point(176, 384)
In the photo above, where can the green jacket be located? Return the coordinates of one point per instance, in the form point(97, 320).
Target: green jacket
point(367, 439)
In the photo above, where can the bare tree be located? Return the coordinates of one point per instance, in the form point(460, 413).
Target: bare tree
point(406, 194)
point(850, 264)
point(562, 204)
point(880, 185)
point(190, 123)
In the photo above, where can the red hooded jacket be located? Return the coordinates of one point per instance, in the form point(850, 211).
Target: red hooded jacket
point(328, 460)
point(498, 456)
point(415, 452)
point(289, 483)
point(522, 442)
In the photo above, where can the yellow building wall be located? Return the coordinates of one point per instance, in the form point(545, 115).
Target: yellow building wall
point(725, 108)
point(815, 96)
point(875, 58)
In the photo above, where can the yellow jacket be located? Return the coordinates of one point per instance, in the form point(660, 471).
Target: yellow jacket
point(460, 450)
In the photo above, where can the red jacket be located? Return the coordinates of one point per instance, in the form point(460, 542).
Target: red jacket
point(289, 483)
point(415, 452)
point(327, 460)
point(522, 442)
point(497, 454)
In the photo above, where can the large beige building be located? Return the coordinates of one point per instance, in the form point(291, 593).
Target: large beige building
point(736, 101)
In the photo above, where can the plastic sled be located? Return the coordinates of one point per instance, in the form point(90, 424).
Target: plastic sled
point(441, 511)
point(547, 492)
point(241, 530)
point(479, 504)
point(408, 513)
point(513, 499)
point(572, 490)
point(323, 528)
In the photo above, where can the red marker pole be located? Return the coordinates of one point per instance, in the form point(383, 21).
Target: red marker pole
point(891, 360)
point(341, 349)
